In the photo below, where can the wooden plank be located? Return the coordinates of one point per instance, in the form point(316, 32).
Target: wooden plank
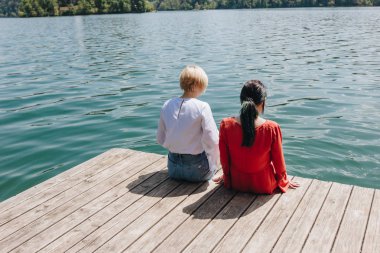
point(61, 198)
point(113, 204)
point(94, 164)
point(351, 231)
point(371, 242)
point(71, 206)
point(160, 231)
point(130, 233)
point(128, 207)
point(188, 230)
point(94, 246)
point(219, 226)
point(322, 234)
point(44, 196)
point(243, 229)
point(269, 231)
point(124, 218)
point(140, 204)
point(299, 226)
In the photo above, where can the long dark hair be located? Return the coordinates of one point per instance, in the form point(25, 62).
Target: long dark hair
point(253, 93)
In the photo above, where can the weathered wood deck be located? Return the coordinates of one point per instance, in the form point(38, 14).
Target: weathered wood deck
point(122, 200)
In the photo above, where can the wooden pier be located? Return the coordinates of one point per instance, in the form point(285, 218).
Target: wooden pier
point(122, 200)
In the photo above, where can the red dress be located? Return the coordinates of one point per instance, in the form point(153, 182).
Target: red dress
point(259, 168)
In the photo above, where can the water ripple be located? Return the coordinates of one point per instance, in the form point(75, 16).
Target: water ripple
point(73, 87)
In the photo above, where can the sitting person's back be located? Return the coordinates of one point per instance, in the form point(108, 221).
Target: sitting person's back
point(252, 168)
point(188, 130)
point(183, 119)
point(251, 147)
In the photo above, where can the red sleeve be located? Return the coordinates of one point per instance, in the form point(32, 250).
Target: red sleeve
point(278, 160)
point(224, 154)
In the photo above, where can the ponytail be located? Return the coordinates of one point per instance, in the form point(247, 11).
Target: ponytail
point(248, 114)
point(253, 93)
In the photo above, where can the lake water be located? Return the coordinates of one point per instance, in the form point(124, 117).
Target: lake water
point(74, 87)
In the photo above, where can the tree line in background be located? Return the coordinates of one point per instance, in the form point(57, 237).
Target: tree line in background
point(42, 8)
point(39, 8)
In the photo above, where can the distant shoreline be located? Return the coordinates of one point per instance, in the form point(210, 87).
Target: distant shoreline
point(49, 8)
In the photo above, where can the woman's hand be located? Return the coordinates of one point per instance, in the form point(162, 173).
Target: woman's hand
point(293, 185)
point(218, 179)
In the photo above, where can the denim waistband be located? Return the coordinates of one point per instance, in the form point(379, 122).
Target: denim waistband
point(186, 155)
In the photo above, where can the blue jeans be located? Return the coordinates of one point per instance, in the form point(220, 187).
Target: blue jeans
point(193, 168)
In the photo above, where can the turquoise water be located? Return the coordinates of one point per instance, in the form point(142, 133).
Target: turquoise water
point(74, 87)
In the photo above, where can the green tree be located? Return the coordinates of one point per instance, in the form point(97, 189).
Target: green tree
point(210, 4)
point(86, 7)
point(101, 5)
point(139, 6)
point(38, 8)
point(34, 8)
point(186, 5)
point(275, 3)
point(118, 6)
point(64, 3)
point(9, 8)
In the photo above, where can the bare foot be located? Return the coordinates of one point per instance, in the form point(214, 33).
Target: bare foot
point(218, 179)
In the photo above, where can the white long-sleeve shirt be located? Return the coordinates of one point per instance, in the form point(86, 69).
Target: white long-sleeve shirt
point(187, 126)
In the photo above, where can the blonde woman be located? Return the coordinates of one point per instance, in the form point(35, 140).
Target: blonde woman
point(188, 130)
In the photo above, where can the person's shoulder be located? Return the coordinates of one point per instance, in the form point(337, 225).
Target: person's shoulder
point(169, 101)
point(228, 121)
point(201, 103)
point(270, 124)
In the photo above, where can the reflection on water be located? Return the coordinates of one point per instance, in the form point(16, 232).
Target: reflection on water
point(73, 87)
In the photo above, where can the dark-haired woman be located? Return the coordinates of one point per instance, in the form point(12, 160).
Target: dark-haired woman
point(251, 147)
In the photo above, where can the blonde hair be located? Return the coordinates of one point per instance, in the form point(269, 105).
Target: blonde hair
point(193, 76)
